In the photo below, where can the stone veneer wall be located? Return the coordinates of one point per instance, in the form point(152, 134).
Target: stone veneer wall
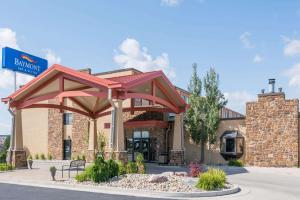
point(55, 133)
point(80, 131)
point(272, 131)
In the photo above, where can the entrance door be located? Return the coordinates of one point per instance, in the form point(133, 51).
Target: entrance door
point(67, 149)
point(141, 144)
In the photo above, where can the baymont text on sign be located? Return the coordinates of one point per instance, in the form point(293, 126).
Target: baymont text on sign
point(23, 62)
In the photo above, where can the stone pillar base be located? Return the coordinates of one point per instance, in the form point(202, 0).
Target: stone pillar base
point(19, 158)
point(176, 157)
point(121, 155)
point(91, 155)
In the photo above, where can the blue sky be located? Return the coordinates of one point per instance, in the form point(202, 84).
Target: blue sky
point(246, 41)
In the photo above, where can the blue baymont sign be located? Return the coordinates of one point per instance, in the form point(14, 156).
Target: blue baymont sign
point(22, 62)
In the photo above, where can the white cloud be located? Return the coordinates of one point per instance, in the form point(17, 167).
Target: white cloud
point(52, 57)
point(292, 46)
point(131, 54)
point(245, 39)
point(237, 100)
point(294, 75)
point(257, 58)
point(170, 3)
point(9, 38)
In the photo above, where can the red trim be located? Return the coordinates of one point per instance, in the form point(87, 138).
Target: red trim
point(83, 94)
point(61, 107)
point(152, 98)
point(29, 102)
point(142, 108)
point(146, 123)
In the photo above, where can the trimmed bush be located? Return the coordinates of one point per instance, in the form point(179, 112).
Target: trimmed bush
point(195, 169)
point(213, 179)
point(236, 163)
point(131, 168)
point(29, 157)
point(36, 156)
point(43, 156)
point(113, 168)
point(4, 167)
point(121, 168)
point(83, 157)
point(49, 157)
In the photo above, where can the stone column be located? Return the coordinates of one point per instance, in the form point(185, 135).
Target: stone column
point(92, 148)
point(119, 146)
point(18, 152)
point(177, 152)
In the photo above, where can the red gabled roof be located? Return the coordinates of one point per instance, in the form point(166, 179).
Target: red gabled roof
point(74, 73)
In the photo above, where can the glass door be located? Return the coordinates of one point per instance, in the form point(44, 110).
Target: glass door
point(141, 144)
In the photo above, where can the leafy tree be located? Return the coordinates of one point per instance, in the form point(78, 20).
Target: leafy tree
point(215, 100)
point(3, 152)
point(194, 118)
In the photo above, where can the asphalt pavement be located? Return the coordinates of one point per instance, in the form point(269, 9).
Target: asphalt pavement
point(19, 192)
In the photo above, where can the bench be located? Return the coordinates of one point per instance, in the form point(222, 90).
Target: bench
point(74, 164)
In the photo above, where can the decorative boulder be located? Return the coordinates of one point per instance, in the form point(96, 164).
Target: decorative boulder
point(167, 174)
point(158, 179)
point(181, 174)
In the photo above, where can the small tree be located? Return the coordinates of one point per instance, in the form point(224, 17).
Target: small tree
point(194, 117)
point(215, 100)
point(101, 141)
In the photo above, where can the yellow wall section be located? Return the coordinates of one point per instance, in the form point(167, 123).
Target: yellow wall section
point(35, 130)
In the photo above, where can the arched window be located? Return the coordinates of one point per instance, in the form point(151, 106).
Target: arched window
point(232, 145)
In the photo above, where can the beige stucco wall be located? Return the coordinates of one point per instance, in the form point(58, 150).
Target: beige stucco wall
point(35, 130)
point(192, 150)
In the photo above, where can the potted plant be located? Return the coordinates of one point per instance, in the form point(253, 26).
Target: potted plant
point(53, 172)
point(29, 161)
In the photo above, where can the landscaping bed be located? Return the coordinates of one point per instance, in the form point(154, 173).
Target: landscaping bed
point(172, 183)
point(132, 176)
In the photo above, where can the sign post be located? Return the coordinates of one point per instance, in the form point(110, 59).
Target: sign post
point(18, 61)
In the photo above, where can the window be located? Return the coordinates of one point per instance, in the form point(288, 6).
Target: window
point(232, 145)
point(141, 102)
point(68, 118)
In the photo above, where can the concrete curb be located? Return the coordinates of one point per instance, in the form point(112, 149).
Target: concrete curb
point(127, 192)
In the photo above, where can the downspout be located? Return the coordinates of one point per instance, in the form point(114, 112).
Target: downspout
point(113, 119)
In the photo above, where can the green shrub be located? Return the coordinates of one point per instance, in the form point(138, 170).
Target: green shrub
point(82, 177)
point(121, 168)
point(139, 158)
point(213, 179)
point(78, 157)
point(99, 160)
point(236, 163)
point(29, 157)
point(4, 167)
point(100, 172)
point(131, 168)
point(36, 156)
point(49, 157)
point(113, 168)
point(2, 157)
point(140, 163)
point(83, 157)
point(85, 175)
point(42, 156)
